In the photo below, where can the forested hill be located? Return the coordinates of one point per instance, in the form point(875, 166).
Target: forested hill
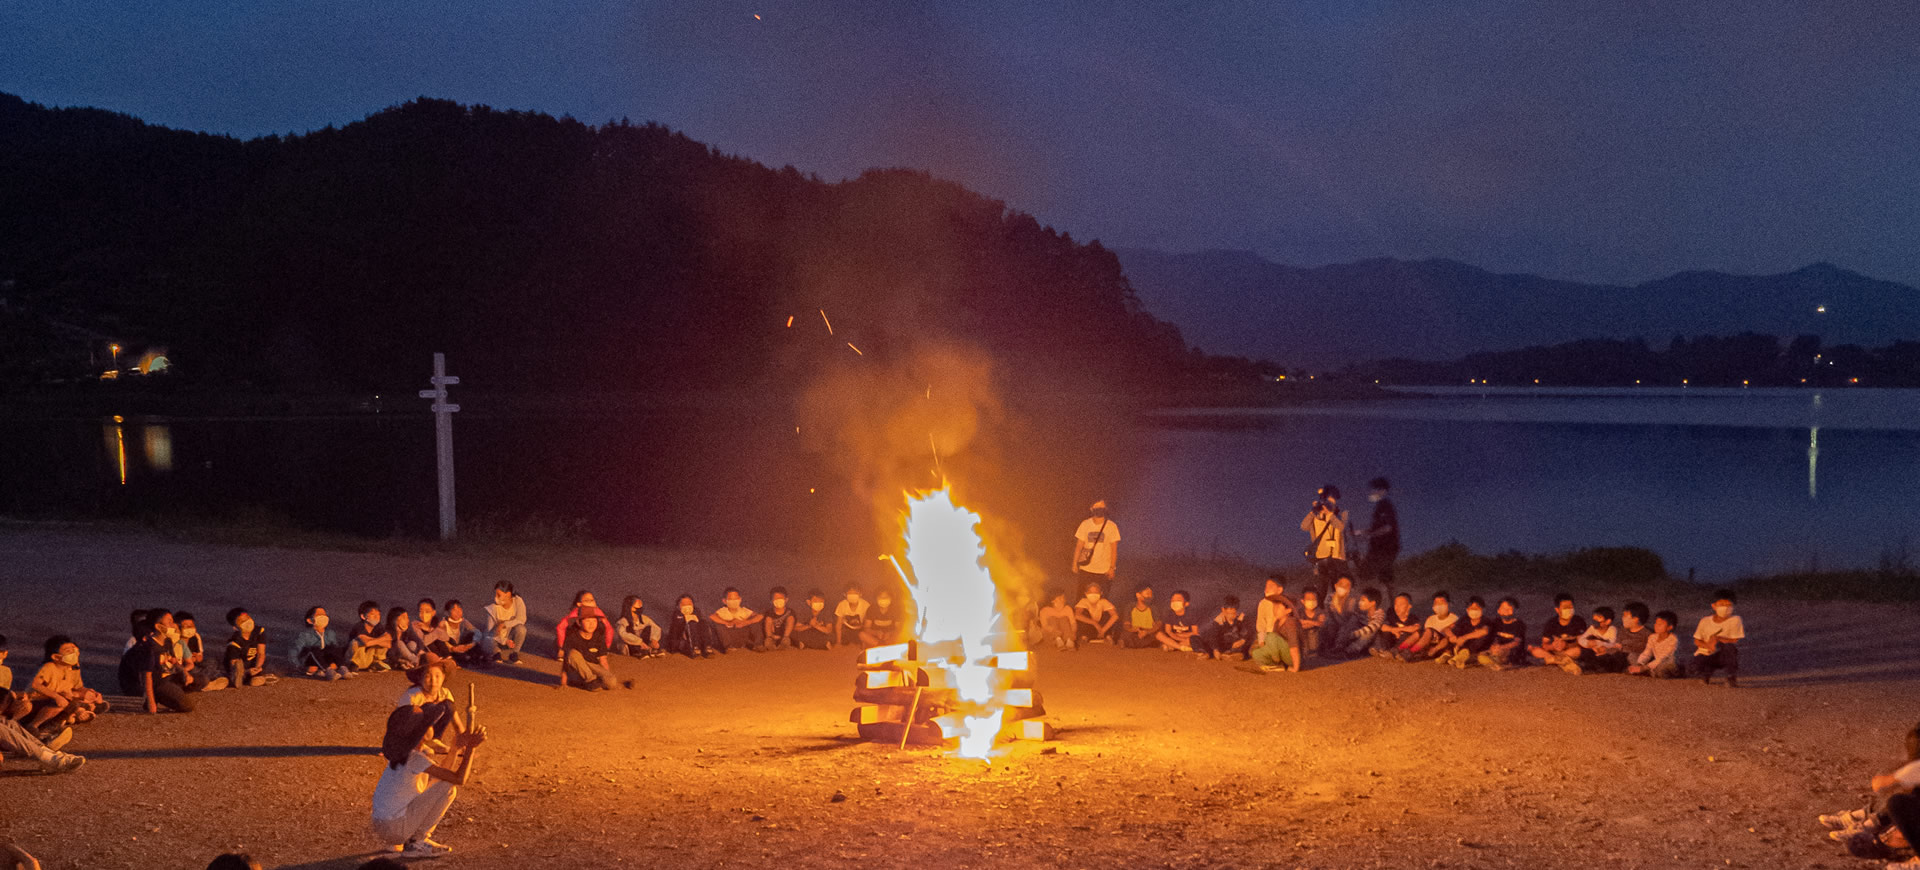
point(539, 252)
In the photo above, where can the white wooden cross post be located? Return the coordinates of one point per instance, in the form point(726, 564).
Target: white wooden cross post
point(443, 439)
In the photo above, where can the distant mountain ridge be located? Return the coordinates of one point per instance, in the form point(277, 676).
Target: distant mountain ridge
point(1236, 302)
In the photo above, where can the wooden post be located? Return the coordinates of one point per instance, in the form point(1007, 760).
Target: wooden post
point(443, 440)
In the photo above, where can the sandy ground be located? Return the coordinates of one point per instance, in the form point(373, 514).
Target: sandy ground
point(1162, 760)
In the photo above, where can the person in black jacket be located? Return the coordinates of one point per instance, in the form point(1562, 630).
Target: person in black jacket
point(1383, 536)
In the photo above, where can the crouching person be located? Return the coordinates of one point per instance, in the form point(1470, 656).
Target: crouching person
point(144, 670)
point(584, 654)
point(316, 649)
point(15, 739)
point(1660, 657)
point(414, 793)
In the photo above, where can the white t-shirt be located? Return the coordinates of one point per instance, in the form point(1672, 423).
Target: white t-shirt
point(1098, 609)
point(1597, 639)
point(1439, 623)
point(1732, 629)
point(733, 614)
point(1908, 774)
point(400, 785)
point(1100, 541)
point(854, 613)
point(415, 696)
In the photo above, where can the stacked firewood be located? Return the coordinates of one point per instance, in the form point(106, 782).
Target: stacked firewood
point(909, 693)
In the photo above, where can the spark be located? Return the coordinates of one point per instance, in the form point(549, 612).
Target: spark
point(789, 321)
point(855, 349)
point(823, 316)
point(756, 16)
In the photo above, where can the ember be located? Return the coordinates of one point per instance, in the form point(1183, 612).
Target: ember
point(959, 681)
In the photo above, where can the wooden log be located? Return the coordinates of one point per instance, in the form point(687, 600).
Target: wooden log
point(1013, 661)
point(881, 679)
point(1031, 729)
point(902, 696)
point(873, 714)
point(883, 654)
point(924, 734)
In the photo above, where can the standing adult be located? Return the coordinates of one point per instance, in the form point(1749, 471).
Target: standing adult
point(1383, 536)
point(1096, 548)
point(1328, 526)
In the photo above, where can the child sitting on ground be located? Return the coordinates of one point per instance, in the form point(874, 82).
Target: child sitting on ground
point(1433, 639)
point(1142, 625)
point(690, 634)
point(584, 659)
point(739, 627)
point(1264, 616)
point(1400, 627)
point(316, 650)
point(246, 655)
point(1338, 614)
point(849, 617)
point(143, 669)
point(429, 634)
point(16, 739)
point(462, 637)
point(60, 698)
point(6, 673)
point(886, 622)
point(1176, 634)
point(193, 655)
point(1313, 620)
point(505, 628)
point(1716, 642)
point(1056, 623)
point(814, 629)
point(1629, 643)
point(1280, 651)
point(1094, 617)
point(1228, 634)
point(1560, 638)
point(1659, 658)
point(1469, 637)
point(406, 652)
point(1509, 647)
point(639, 635)
point(1601, 638)
point(370, 642)
point(1358, 635)
point(778, 622)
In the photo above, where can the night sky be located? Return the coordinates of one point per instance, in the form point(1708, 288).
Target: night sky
point(1611, 140)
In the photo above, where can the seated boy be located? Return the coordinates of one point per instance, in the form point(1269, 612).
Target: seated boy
point(886, 621)
point(60, 698)
point(1509, 646)
point(850, 617)
point(245, 660)
point(1716, 641)
point(1142, 625)
point(15, 739)
point(814, 629)
point(1630, 642)
point(1281, 650)
point(739, 626)
point(368, 645)
point(429, 631)
point(505, 629)
point(1397, 629)
point(1176, 634)
point(1433, 639)
point(1359, 632)
point(143, 670)
point(1313, 619)
point(316, 650)
point(1469, 637)
point(1228, 634)
point(1561, 636)
point(1660, 657)
point(463, 637)
point(1602, 638)
point(779, 620)
point(1264, 615)
point(1094, 617)
point(208, 676)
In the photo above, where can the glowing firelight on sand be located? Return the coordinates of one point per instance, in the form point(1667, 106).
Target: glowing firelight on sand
point(955, 597)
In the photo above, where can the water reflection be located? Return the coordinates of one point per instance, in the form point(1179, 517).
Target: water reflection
point(156, 441)
point(1813, 463)
point(116, 438)
point(159, 445)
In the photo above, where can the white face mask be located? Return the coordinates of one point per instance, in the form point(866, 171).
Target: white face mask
point(686, 609)
point(1474, 613)
point(1179, 607)
point(884, 603)
point(1376, 496)
point(189, 632)
point(1566, 615)
point(71, 659)
point(733, 604)
point(245, 626)
point(1723, 610)
point(817, 605)
point(320, 623)
point(779, 603)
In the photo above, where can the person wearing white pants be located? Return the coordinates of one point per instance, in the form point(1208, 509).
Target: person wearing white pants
point(414, 793)
point(15, 739)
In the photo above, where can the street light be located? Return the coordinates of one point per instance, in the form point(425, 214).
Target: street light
point(116, 355)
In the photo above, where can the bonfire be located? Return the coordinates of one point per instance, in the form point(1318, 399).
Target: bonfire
point(961, 681)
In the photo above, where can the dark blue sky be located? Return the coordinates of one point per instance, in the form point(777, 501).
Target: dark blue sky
point(1605, 140)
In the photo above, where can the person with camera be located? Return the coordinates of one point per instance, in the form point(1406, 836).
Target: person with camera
point(1328, 525)
point(1096, 548)
point(1382, 535)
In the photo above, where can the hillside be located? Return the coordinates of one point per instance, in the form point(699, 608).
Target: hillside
point(540, 253)
point(1237, 303)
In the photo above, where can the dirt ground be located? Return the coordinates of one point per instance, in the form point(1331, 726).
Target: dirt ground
point(1162, 760)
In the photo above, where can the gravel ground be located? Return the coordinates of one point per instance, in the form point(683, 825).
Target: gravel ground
point(1162, 760)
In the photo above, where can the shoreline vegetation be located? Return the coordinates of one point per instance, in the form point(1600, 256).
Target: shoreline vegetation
point(1588, 572)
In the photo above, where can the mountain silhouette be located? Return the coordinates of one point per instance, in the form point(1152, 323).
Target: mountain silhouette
point(1235, 302)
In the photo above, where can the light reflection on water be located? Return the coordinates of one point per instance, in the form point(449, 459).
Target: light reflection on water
point(156, 441)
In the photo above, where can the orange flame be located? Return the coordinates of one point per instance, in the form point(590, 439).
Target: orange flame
point(955, 597)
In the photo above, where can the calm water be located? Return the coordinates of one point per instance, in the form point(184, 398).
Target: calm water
point(1722, 481)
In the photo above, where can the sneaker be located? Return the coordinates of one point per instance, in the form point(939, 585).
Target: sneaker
point(59, 740)
point(1851, 818)
point(257, 681)
point(1905, 865)
point(61, 762)
point(425, 848)
point(513, 658)
point(214, 685)
point(334, 676)
point(379, 667)
point(1571, 667)
point(1867, 845)
point(1271, 668)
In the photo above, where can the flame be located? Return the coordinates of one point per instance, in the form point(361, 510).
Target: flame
point(954, 595)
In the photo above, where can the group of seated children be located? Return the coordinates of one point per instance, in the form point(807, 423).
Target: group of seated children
point(1890, 825)
point(734, 625)
point(1282, 631)
point(27, 729)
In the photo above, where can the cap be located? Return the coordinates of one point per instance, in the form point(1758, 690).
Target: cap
point(1098, 505)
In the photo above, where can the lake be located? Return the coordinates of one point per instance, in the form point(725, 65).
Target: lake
point(1721, 481)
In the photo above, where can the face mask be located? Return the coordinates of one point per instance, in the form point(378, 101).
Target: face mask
point(1093, 597)
point(189, 632)
point(319, 623)
point(71, 659)
point(1566, 615)
point(1474, 613)
point(733, 604)
point(686, 609)
point(1440, 610)
point(817, 605)
point(779, 603)
point(245, 626)
point(1180, 607)
point(1374, 497)
point(1723, 610)
point(884, 603)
